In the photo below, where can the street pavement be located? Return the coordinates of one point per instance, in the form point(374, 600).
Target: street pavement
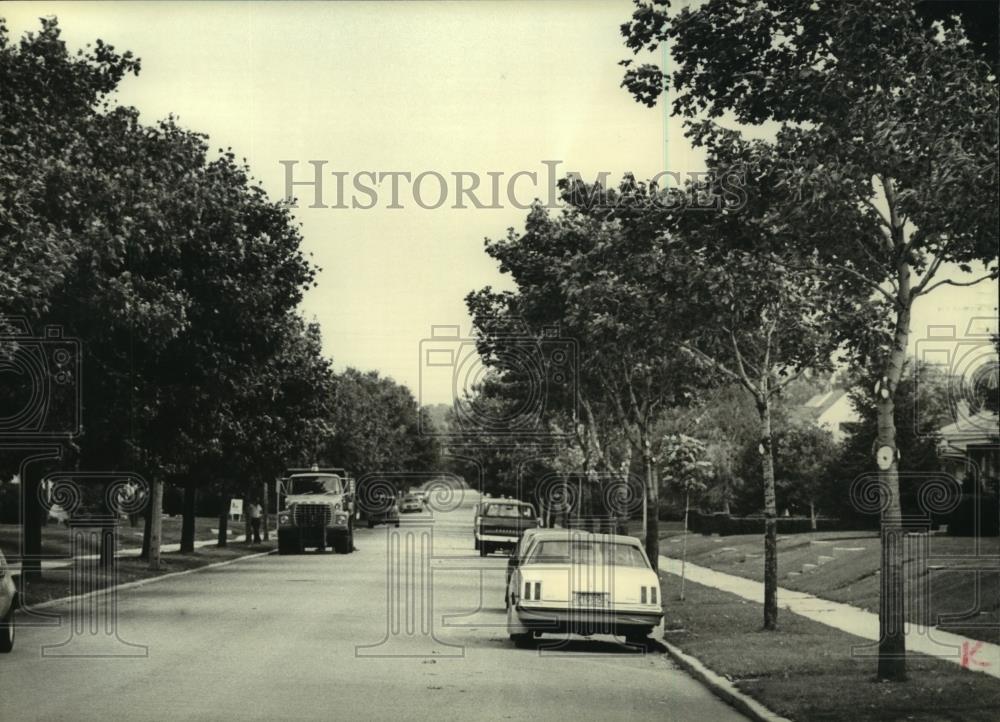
point(410, 626)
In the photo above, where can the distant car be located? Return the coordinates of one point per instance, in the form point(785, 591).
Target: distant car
point(476, 511)
point(500, 523)
point(388, 515)
point(410, 503)
point(572, 581)
point(8, 603)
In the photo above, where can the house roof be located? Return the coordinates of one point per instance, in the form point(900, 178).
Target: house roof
point(819, 404)
point(978, 429)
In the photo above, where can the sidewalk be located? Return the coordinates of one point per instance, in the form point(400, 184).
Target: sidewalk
point(15, 567)
point(972, 654)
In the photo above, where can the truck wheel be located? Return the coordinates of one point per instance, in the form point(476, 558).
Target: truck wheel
point(7, 630)
point(343, 544)
point(286, 544)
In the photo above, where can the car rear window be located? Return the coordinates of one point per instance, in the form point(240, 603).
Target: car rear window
point(509, 511)
point(566, 551)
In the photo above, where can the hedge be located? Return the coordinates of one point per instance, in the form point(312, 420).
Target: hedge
point(726, 525)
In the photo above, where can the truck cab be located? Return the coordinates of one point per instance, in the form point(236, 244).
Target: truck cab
point(315, 509)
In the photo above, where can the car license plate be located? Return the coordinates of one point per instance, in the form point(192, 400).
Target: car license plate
point(590, 599)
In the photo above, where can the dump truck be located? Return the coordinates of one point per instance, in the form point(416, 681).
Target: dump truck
point(315, 509)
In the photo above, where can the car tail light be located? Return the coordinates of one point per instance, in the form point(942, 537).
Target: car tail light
point(537, 591)
point(642, 595)
point(652, 591)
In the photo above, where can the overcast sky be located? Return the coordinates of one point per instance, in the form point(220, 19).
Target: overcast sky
point(410, 87)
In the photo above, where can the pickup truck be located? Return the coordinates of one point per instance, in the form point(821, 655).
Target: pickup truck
point(500, 523)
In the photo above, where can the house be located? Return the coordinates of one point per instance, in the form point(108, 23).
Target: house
point(833, 411)
point(970, 448)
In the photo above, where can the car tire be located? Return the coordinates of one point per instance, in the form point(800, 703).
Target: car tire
point(520, 639)
point(638, 638)
point(371, 524)
point(7, 630)
point(484, 549)
point(343, 544)
point(476, 544)
point(397, 525)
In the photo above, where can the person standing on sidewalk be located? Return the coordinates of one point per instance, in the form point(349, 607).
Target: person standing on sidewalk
point(254, 513)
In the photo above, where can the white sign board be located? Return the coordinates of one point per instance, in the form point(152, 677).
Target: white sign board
point(235, 508)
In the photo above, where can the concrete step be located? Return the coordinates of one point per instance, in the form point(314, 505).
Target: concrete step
point(824, 560)
point(806, 568)
point(820, 542)
point(793, 574)
point(848, 549)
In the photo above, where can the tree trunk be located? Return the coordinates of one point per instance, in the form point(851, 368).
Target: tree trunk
point(770, 518)
point(652, 537)
point(684, 549)
point(266, 511)
point(812, 515)
point(892, 599)
point(223, 538)
point(892, 642)
point(108, 520)
point(155, 525)
point(188, 515)
point(248, 499)
point(31, 565)
point(147, 515)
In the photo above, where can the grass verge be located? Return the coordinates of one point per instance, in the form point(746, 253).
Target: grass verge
point(59, 583)
point(806, 670)
point(844, 567)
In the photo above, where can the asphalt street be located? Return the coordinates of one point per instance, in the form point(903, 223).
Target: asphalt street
point(410, 626)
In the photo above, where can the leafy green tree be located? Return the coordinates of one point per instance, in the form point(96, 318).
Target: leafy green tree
point(805, 456)
point(685, 466)
point(377, 427)
point(576, 272)
point(888, 145)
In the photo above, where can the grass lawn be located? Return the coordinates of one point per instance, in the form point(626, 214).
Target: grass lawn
point(806, 670)
point(56, 583)
point(964, 600)
point(56, 538)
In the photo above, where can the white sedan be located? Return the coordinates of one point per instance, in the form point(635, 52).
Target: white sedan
point(8, 596)
point(573, 581)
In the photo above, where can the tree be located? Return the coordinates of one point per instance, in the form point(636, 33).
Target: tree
point(577, 272)
point(175, 272)
point(888, 140)
point(805, 456)
point(376, 427)
point(685, 467)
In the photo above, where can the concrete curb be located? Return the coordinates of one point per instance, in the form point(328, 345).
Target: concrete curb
point(722, 687)
point(143, 582)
